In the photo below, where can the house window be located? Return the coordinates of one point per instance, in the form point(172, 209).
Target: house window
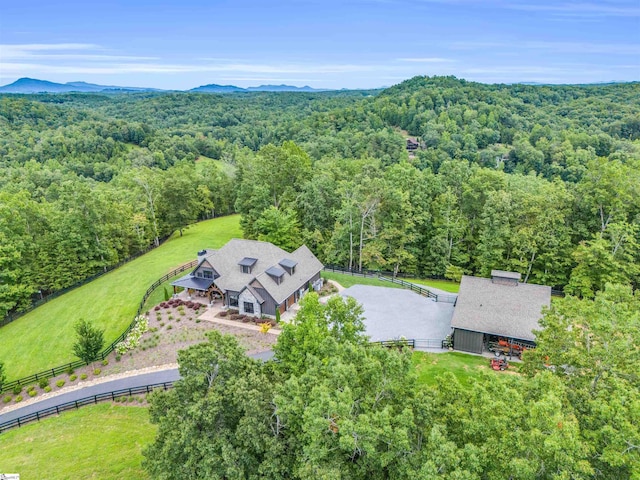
point(233, 300)
point(248, 307)
point(245, 269)
point(207, 273)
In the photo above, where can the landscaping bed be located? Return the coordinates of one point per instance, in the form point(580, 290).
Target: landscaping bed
point(171, 326)
point(235, 315)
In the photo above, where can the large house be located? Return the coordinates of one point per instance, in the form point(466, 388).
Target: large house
point(498, 308)
point(257, 278)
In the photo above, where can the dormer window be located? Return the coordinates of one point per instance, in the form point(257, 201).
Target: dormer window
point(276, 273)
point(246, 264)
point(288, 265)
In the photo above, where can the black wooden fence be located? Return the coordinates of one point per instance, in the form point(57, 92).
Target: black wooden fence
point(40, 414)
point(422, 290)
point(52, 372)
point(44, 299)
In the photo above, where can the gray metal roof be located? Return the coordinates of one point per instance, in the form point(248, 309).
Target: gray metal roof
point(247, 261)
point(225, 261)
point(287, 263)
point(504, 274)
point(189, 281)
point(507, 310)
point(275, 271)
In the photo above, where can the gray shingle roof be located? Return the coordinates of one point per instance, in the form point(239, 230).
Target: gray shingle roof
point(225, 262)
point(506, 310)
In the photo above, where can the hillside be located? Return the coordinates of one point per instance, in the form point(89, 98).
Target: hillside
point(474, 196)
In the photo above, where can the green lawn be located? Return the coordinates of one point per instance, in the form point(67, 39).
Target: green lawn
point(102, 441)
point(462, 365)
point(347, 281)
point(445, 285)
point(44, 337)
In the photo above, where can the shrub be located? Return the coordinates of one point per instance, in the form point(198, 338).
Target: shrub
point(83, 376)
point(133, 338)
point(277, 315)
point(178, 319)
point(47, 389)
point(32, 393)
point(60, 383)
point(182, 314)
point(162, 324)
point(169, 327)
point(197, 320)
point(222, 314)
point(170, 317)
point(118, 357)
point(105, 362)
point(72, 378)
point(7, 399)
point(31, 388)
point(156, 308)
point(89, 341)
point(17, 389)
point(166, 293)
point(18, 398)
point(265, 327)
point(69, 371)
point(43, 382)
point(97, 371)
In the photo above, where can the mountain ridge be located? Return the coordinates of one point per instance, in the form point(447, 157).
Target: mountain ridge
point(26, 85)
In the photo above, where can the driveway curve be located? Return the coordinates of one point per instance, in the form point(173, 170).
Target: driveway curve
point(132, 381)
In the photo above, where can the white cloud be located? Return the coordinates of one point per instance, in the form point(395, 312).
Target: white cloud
point(426, 60)
point(580, 9)
point(556, 47)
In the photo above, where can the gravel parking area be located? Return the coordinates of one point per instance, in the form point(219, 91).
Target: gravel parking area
point(391, 313)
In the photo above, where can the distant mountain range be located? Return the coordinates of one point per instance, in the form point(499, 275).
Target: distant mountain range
point(33, 85)
point(213, 88)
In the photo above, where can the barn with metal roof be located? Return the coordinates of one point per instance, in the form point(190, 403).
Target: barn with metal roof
point(500, 307)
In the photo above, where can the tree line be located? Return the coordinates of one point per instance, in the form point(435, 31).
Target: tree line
point(538, 179)
point(334, 407)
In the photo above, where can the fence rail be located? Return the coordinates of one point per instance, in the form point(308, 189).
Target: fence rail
point(52, 372)
point(420, 289)
point(416, 343)
point(40, 414)
point(41, 301)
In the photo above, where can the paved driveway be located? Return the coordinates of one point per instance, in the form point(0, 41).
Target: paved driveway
point(391, 313)
point(106, 387)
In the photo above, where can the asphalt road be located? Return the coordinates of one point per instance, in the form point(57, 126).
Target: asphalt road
point(106, 387)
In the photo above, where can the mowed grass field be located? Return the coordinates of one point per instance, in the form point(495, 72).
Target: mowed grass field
point(44, 337)
point(102, 441)
point(464, 366)
point(347, 281)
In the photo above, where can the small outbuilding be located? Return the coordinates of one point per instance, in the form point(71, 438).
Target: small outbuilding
point(500, 308)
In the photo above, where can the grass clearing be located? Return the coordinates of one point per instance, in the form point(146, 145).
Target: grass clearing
point(44, 337)
point(347, 280)
point(102, 441)
point(462, 365)
point(445, 285)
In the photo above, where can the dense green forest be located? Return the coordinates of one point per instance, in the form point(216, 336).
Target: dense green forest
point(544, 180)
point(335, 407)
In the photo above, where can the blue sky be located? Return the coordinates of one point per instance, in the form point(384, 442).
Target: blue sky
point(329, 44)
